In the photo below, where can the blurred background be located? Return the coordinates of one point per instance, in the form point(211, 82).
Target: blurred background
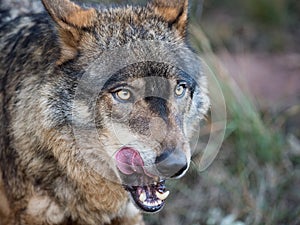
point(253, 48)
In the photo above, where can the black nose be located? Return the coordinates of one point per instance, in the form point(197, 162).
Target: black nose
point(171, 163)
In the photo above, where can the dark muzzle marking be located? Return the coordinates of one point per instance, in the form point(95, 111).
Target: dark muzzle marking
point(159, 107)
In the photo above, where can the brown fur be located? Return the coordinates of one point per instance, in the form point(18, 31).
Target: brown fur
point(69, 17)
point(173, 11)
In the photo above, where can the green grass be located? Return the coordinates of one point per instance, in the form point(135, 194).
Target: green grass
point(245, 125)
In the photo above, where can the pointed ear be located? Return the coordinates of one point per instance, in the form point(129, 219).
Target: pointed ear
point(71, 19)
point(175, 12)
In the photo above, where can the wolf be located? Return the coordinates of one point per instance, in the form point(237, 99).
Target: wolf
point(98, 108)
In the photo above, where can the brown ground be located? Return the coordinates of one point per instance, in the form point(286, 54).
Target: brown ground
point(273, 79)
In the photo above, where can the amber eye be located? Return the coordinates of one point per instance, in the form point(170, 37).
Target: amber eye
point(180, 90)
point(123, 94)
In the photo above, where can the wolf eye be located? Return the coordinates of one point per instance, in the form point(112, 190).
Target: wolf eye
point(123, 94)
point(180, 90)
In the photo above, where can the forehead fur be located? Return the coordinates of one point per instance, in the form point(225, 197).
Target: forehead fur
point(149, 70)
point(116, 27)
point(96, 29)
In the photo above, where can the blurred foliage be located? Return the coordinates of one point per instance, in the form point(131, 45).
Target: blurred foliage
point(238, 25)
point(245, 129)
point(266, 12)
point(268, 25)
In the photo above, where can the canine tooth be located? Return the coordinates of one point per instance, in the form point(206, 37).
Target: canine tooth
point(162, 196)
point(143, 196)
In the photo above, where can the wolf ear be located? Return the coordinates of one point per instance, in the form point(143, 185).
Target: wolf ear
point(175, 12)
point(71, 19)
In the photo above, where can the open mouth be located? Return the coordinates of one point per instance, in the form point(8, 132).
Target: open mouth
point(145, 190)
point(150, 198)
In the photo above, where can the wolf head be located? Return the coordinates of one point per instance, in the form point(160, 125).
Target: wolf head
point(138, 92)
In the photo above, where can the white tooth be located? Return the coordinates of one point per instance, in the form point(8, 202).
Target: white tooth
point(162, 196)
point(147, 203)
point(143, 196)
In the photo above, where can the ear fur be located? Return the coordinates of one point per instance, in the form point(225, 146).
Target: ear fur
point(70, 18)
point(175, 12)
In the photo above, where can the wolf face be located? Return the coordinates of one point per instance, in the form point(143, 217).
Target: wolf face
point(106, 101)
point(143, 111)
point(145, 131)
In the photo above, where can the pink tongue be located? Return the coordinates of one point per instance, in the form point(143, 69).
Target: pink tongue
point(129, 161)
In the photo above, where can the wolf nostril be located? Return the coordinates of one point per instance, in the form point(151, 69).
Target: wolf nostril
point(171, 163)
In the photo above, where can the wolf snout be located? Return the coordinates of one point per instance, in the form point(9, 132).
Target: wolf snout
point(172, 163)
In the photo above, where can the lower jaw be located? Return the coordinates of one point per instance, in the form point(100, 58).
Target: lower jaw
point(147, 208)
point(149, 199)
